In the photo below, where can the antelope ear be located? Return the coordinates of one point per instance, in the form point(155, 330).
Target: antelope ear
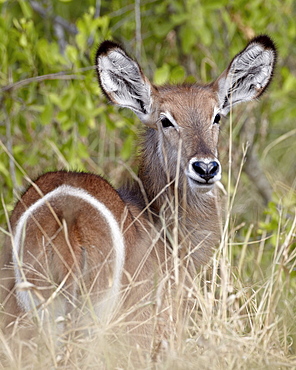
point(248, 75)
point(122, 80)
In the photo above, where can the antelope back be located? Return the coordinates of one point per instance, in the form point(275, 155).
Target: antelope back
point(67, 235)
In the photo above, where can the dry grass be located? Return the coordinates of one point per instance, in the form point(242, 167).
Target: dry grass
point(236, 321)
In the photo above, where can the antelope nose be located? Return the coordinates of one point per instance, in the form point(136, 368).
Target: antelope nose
point(206, 170)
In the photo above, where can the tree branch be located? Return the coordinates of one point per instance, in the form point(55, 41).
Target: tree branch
point(52, 76)
point(69, 27)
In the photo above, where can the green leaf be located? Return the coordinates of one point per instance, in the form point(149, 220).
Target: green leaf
point(23, 40)
point(83, 128)
point(46, 115)
point(3, 169)
point(127, 148)
point(25, 6)
point(161, 75)
point(67, 99)
point(177, 74)
point(72, 53)
point(188, 38)
point(215, 4)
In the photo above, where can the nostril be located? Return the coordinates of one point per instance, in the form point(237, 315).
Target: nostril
point(206, 170)
point(200, 168)
point(213, 168)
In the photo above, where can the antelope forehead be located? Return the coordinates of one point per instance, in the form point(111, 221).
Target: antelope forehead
point(190, 106)
point(190, 118)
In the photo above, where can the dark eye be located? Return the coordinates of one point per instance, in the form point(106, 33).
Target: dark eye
point(217, 118)
point(166, 122)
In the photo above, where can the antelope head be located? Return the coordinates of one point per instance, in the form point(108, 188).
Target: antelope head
point(184, 119)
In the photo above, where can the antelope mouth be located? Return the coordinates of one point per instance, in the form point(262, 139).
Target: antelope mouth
point(196, 184)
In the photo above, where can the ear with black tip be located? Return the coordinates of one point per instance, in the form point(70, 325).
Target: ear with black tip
point(122, 80)
point(248, 75)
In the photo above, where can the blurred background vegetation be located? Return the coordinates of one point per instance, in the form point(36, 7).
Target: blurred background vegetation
point(53, 115)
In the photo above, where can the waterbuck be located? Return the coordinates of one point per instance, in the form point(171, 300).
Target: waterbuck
point(77, 242)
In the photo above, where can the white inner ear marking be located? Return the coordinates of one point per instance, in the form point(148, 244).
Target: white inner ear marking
point(122, 80)
point(257, 62)
point(248, 75)
point(112, 295)
point(117, 64)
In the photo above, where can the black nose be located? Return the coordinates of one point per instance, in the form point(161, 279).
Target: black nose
point(206, 170)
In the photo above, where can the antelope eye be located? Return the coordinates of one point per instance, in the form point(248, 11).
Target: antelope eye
point(166, 122)
point(217, 118)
